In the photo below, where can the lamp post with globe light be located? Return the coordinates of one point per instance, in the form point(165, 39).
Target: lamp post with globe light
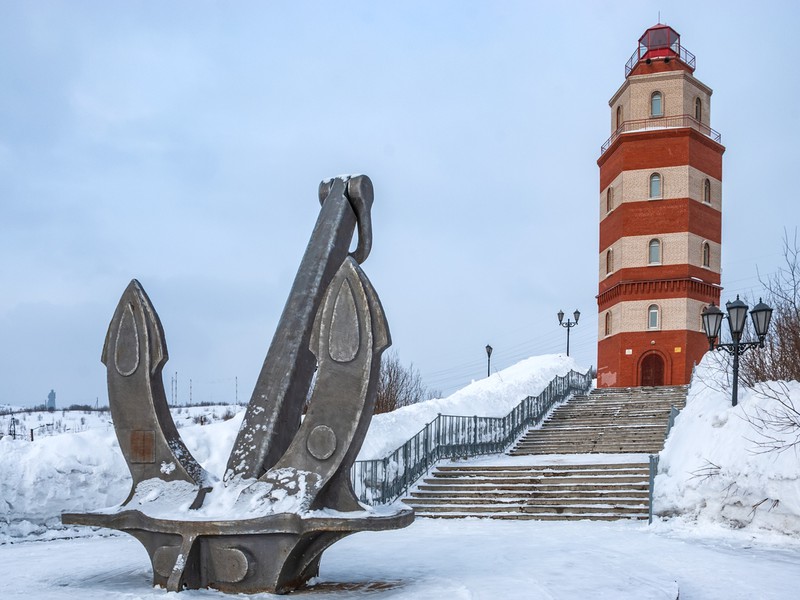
point(761, 315)
point(569, 324)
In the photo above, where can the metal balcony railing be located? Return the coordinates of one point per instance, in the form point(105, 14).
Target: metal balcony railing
point(384, 480)
point(675, 122)
point(675, 50)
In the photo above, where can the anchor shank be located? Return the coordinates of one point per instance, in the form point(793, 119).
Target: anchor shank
point(273, 414)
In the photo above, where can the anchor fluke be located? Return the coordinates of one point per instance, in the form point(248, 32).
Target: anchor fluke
point(134, 354)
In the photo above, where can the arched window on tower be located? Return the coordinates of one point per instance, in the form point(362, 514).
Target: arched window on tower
point(608, 323)
point(619, 116)
point(652, 317)
point(609, 261)
point(706, 254)
point(609, 199)
point(707, 191)
point(655, 185)
point(656, 105)
point(698, 109)
point(654, 252)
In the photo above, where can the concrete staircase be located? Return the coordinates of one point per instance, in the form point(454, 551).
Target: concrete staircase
point(550, 474)
point(608, 420)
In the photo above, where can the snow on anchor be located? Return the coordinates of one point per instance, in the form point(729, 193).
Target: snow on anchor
point(286, 494)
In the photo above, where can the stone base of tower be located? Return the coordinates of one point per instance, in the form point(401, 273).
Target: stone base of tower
point(649, 358)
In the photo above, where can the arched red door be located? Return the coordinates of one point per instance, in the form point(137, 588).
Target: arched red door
point(652, 370)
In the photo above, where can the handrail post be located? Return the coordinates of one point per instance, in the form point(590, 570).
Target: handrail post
point(652, 481)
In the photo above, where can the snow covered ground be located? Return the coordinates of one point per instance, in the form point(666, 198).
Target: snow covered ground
point(75, 465)
point(719, 465)
point(715, 545)
point(462, 559)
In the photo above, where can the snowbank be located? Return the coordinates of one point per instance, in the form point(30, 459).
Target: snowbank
point(77, 472)
point(717, 466)
point(494, 396)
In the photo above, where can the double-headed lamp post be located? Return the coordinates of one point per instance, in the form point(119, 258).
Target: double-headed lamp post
point(488, 360)
point(737, 319)
point(569, 324)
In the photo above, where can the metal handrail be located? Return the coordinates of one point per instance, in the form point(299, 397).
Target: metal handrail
point(676, 122)
point(383, 480)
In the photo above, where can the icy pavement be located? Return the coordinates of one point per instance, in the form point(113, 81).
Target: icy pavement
point(459, 559)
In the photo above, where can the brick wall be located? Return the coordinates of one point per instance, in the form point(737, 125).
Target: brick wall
point(652, 217)
point(682, 181)
point(676, 249)
point(678, 91)
point(660, 148)
point(675, 313)
point(619, 357)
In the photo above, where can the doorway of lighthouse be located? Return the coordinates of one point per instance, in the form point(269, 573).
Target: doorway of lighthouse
point(652, 373)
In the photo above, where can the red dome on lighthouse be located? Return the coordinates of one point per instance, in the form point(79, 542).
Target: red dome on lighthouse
point(659, 46)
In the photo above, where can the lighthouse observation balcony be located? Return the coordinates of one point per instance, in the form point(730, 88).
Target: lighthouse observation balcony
point(666, 52)
point(676, 122)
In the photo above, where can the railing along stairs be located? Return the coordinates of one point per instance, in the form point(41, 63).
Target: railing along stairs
point(383, 480)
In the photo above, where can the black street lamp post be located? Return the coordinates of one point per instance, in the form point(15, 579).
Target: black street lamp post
point(488, 360)
point(737, 319)
point(569, 324)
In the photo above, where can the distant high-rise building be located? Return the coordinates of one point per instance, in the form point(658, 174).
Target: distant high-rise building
point(660, 219)
point(51, 400)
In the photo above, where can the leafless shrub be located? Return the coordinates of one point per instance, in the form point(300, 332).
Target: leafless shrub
point(707, 471)
point(776, 427)
point(780, 357)
point(399, 385)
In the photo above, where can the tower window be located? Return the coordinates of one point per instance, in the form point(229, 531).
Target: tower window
point(619, 117)
point(654, 252)
point(610, 199)
point(652, 316)
point(706, 254)
point(707, 191)
point(608, 323)
point(609, 261)
point(656, 105)
point(655, 185)
point(698, 109)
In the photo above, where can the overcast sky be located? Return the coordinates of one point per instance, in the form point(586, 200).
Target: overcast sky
point(182, 143)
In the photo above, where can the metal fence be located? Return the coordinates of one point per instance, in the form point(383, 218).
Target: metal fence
point(384, 480)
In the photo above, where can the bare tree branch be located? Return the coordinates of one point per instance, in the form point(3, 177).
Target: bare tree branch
point(400, 385)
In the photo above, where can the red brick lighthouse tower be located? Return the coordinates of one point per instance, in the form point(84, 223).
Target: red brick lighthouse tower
point(660, 218)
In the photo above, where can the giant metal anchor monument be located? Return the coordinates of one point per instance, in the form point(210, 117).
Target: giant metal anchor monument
point(286, 494)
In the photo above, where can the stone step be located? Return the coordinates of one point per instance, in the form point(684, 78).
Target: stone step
point(532, 480)
point(544, 487)
point(599, 440)
point(560, 501)
point(553, 467)
point(540, 473)
point(538, 494)
point(537, 516)
point(536, 509)
point(584, 450)
point(591, 437)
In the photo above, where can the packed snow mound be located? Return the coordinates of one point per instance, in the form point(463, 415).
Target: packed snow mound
point(85, 471)
point(493, 396)
point(733, 466)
